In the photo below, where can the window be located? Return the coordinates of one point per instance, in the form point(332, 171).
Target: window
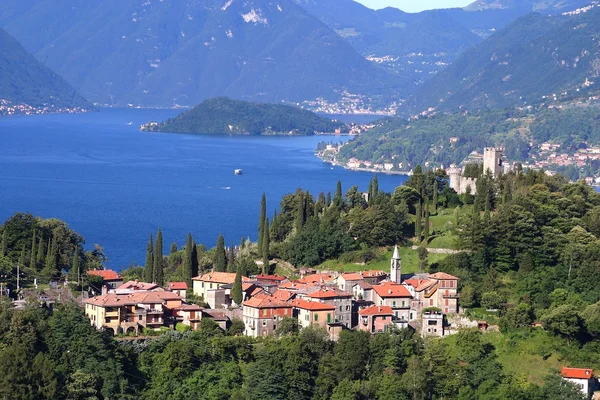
point(396, 313)
point(384, 317)
point(306, 317)
point(264, 312)
point(211, 285)
point(451, 283)
point(140, 318)
point(264, 323)
point(403, 303)
point(411, 315)
point(347, 308)
point(340, 308)
point(316, 317)
point(202, 285)
point(328, 318)
point(394, 303)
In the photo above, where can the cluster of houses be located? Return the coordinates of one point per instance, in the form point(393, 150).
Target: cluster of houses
point(372, 301)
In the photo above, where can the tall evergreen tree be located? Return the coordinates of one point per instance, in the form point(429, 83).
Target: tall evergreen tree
point(187, 261)
point(418, 223)
point(173, 249)
point(328, 199)
point(300, 212)
point(426, 227)
point(370, 192)
point(149, 269)
point(4, 244)
point(261, 218)
point(375, 187)
point(51, 265)
point(338, 200)
point(33, 254)
point(243, 243)
point(236, 291)
point(158, 259)
point(23, 257)
point(220, 262)
point(231, 259)
point(41, 251)
point(435, 196)
point(75, 267)
point(195, 271)
point(266, 248)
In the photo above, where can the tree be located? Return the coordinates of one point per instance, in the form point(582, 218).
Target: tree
point(418, 223)
point(435, 196)
point(468, 296)
point(75, 268)
point(220, 260)
point(195, 262)
point(287, 326)
point(516, 317)
point(491, 300)
point(51, 264)
point(4, 243)
point(261, 219)
point(149, 268)
point(266, 249)
point(338, 200)
point(414, 380)
point(41, 251)
point(82, 386)
point(426, 228)
point(591, 317)
point(158, 269)
point(236, 291)
point(422, 254)
point(231, 259)
point(33, 253)
point(173, 249)
point(564, 321)
point(187, 261)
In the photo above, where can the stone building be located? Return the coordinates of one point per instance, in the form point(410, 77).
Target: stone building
point(493, 161)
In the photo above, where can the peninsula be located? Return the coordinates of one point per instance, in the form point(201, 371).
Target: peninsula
point(224, 116)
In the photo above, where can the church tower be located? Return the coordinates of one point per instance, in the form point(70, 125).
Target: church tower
point(396, 267)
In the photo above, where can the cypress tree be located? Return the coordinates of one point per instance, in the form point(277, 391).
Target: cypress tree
point(231, 259)
point(236, 291)
point(173, 249)
point(75, 266)
point(33, 254)
point(243, 243)
point(300, 212)
point(48, 259)
point(435, 196)
point(328, 199)
point(195, 271)
point(426, 228)
point(149, 269)
point(220, 261)
point(261, 219)
point(338, 200)
point(266, 248)
point(22, 257)
point(3, 244)
point(158, 259)
point(188, 273)
point(375, 187)
point(51, 267)
point(41, 251)
point(370, 192)
point(418, 222)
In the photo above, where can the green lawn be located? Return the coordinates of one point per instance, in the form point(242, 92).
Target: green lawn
point(410, 262)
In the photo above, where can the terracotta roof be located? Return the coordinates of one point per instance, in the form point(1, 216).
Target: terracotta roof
point(364, 285)
point(177, 285)
point(352, 277)
point(255, 291)
point(266, 302)
point(216, 315)
point(443, 275)
point(283, 295)
point(391, 290)
point(317, 278)
point(275, 278)
point(219, 277)
point(293, 285)
point(117, 300)
point(328, 293)
point(312, 305)
point(190, 307)
point(135, 285)
point(425, 284)
point(106, 274)
point(577, 373)
point(377, 310)
point(373, 274)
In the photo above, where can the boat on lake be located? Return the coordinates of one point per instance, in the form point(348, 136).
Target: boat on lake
point(238, 172)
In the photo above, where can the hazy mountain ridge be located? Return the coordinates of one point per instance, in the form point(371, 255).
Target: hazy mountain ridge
point(25, 81)
point(552, 6)
point(156, 53)
point(536, 59)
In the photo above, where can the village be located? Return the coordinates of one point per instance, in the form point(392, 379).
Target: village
point(9, 108)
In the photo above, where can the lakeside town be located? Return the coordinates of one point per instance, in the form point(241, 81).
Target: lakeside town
point(8, 108)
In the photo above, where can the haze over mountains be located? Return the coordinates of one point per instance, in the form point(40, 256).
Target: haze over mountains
point(327, 55)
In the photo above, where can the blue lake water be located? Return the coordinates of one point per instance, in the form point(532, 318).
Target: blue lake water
point(114, 185)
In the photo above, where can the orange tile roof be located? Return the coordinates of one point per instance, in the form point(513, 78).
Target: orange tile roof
point(391, 290)
point(373, 273)
point(117, 300)
point(364, 285)
point(276, 278)
point(443, 275)
point(106, 274)
point(352, 277)
point(219, 277)
point(425, 284)
point(328, 293)
point(295, 285)
point(190, 307)
point(377, 310)
point(135, 285)
point(317, 278)
point(266, 302)
point(577, 373)
point(312, 305)
point(177, 285)
point(283, 295)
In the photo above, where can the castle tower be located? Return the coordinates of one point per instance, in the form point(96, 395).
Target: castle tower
point(455, 175)
point(396, 267)
point(492, 160)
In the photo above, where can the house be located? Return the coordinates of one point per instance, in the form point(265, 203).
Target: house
point(582, 378)
point(129, 313)
point(395, 296)
point(261, 315)
point(189, 314)
point(347, 281)
point(136, 286)
point(313, 313)
point(447, 287)
point(375, 319)
point(319, 279)
point(341, 300)
point(362, 291)
point(438, 290)
point(219, 317)
point(374, 277)
point(272, 279)
point(432, 324)
point(180, 288)
point(206, 285)
point(110, 278)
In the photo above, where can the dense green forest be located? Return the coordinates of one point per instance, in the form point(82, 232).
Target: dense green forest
point(428, 139)
point(225, 116)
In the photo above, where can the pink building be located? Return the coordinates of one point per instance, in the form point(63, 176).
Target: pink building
point(375, 319)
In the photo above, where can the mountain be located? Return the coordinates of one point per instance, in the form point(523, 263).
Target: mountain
point(536, 59)
point(551, 6)
point(24, 80)
point(166, 53)
point(222, 115)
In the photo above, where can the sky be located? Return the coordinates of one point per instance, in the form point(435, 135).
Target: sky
point(415, 5)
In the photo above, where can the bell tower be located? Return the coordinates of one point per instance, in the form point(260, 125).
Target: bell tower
point(396, 267)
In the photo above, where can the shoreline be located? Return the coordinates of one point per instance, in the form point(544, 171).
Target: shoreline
point(371, 170)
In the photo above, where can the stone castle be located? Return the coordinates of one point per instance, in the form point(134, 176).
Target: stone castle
point(493, 159)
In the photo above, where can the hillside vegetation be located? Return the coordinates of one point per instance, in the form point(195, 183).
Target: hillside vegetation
point(225, 116)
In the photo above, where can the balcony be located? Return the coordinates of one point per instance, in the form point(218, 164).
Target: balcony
point(154, 311)
point(450, 295)
point(111, 314)
point(154, 321)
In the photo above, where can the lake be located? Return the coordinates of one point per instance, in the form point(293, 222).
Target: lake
point(115, 185)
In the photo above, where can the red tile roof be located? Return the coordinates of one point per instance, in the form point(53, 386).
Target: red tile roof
point(317, 278)
point(106, 274)
point(274, 278)
point(117, 300)
point(352, 277)
point(293, 285)
point(373, 274)
point(443, 276)
point(391, 290)
point(219, 277)
point(266, 302)
point(377, 310)
point(283, 295)
point(312, 305)
point(364, 285)
point(577, 373)
point(177, 285)
point(328, 293)
point(135, 285)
